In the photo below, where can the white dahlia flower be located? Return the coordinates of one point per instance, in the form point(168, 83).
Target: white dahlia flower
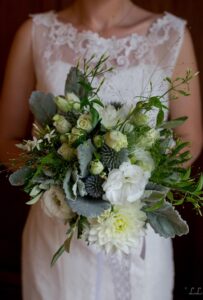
point(118, 230)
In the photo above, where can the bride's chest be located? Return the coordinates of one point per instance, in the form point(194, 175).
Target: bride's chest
point(123, 85)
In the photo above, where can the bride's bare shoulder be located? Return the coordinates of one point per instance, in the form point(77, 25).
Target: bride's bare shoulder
point(141, 19)
point(23, 33)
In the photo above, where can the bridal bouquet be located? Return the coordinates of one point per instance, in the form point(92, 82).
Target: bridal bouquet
point(105, 170)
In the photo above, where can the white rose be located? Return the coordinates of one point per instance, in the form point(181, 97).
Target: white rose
point(54, 204)
point(116, 140)
point(126, 184)
point(85, 122)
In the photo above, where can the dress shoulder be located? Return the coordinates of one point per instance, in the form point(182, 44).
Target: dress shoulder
point(45, 19)
point(166, 27)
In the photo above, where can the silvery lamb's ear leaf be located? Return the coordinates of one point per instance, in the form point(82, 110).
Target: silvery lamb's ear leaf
point(67, 186)
point(154, 196)
point(73, 83)
point(88, 207)
point(19, 177)
point(167, 222)
point(84, 153)
point(43, 107)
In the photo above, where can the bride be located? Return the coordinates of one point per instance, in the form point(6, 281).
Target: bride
point(143, 48)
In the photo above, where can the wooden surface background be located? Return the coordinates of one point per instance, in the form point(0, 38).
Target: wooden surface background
point(187, 250)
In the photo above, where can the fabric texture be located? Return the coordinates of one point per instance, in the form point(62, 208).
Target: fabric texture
point(140, 61)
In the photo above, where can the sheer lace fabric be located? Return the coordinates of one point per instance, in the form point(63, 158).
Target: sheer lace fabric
point(138, 60)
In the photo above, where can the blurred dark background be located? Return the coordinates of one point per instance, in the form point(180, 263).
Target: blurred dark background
point(187, 250)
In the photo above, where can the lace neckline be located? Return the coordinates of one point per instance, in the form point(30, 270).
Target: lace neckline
point(69, 26)
point(133, 48)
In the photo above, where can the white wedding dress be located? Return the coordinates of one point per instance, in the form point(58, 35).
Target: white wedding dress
point(85, 274)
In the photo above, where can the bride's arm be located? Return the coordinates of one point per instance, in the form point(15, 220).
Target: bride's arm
point(18, 83)
point(189, 106)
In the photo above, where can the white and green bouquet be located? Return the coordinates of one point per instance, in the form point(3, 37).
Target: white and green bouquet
point(103, 170)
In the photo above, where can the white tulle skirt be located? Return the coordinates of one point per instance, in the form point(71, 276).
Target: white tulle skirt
point(86, 275)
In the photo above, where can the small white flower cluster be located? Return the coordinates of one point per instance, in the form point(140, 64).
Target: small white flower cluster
point(30, 145)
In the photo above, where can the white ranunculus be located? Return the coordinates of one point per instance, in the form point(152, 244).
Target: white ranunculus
point(126, 184)
point(143, 159)
point(116, 140)
point(118, 230)
point(54, 204)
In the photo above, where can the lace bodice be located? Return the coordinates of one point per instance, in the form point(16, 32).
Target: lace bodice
point(137, 59)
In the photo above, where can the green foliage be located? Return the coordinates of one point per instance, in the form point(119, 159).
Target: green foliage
point(77, 83)
point(135, 134)
point(180, 85)
point(66, 245)
point(169, 172)
point(173, 123)
point(43, 107)
point(56, 256)
point(188, 190)
point(80, 83)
